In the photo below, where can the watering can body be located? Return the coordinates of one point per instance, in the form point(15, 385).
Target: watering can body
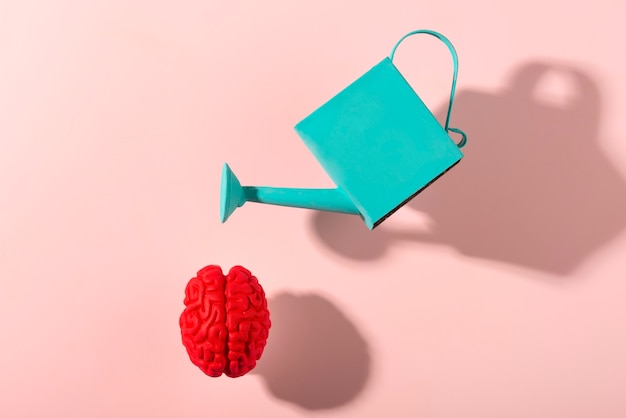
point(377, 141)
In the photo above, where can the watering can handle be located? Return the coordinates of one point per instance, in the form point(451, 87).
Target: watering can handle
point(455, 62)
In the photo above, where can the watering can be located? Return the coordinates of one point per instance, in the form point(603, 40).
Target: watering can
point(377, 141)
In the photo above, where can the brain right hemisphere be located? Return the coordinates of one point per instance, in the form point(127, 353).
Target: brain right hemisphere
point(226, 322)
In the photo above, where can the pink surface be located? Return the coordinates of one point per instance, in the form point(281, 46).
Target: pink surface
point(497, 293)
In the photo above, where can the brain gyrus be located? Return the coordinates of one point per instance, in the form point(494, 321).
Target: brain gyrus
point(226, 322)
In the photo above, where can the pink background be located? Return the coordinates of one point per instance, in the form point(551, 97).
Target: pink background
point(498, 292)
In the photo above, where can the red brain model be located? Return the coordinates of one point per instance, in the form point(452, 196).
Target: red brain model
point(225, 324)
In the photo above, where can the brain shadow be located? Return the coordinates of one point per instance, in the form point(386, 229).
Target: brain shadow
point(534, 189)
point(315, 357)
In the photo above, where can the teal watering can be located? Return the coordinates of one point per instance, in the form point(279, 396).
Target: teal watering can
point(377, 141)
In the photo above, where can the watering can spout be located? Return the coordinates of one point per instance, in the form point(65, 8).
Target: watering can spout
point(234, 195)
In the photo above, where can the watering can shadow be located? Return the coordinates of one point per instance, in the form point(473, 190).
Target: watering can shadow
point(544, 196)
point(377, 141)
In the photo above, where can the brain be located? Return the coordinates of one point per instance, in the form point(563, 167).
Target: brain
point(225, 323)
